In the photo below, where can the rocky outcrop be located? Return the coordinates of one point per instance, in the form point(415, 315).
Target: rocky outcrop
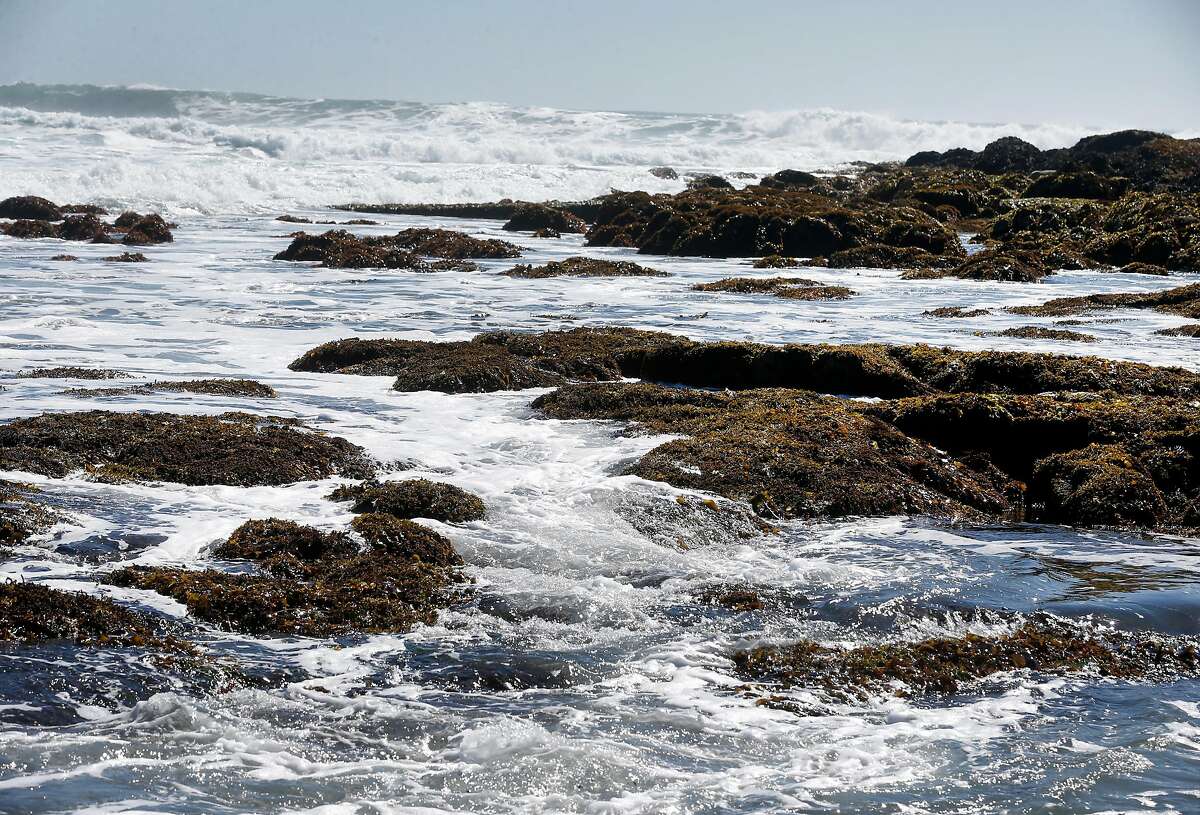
point(236, 388)
point(413, 498)
point(35, 217)
point(407, 249)
point(788, 288)
point(238, 449)
point(532, 217)
point(30, 207)
point(583, 267)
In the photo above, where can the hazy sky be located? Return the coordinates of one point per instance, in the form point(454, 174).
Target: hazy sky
point(1100, 62)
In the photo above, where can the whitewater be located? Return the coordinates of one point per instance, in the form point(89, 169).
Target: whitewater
point(583, 676)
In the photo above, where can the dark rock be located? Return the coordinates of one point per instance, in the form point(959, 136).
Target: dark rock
point(315, 583)
point(127, 257)
point(956, 312)
point(667, 173)
point(30, 207)
point(583, 267)
point(546, 232)
point(1100, 485)
point(86, 227)
point(22, 517)
point(776, 262)
point(1189, 330)
point(72, 372)
point(147, 229)
point(1034, 332)
point(242, 388)
point(1011, 265)
point(1007, 155)
point(1183, 301)
point(1143, 268)
point(29, 229)
point(293, 219)
point(708, 182)
point(64, 258)
point(531, 217)
point(1076, 185)
point(234, 448)
point(340, 249)
point(414, 498)
point(790, 178)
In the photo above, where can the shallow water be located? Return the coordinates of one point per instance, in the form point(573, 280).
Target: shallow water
point(583, 675)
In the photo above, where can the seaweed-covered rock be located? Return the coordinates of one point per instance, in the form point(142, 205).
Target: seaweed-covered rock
point(758, 221)
point(1037, 332)
point(579, 266)
point(1100, 485)
point(127, 257)
point(22, 517)
point(30, 207)
point(234, 448)
point(145, 229)
point(945, 664)
point(753, 285)
point(86, 227)
point(33, 613)
point(1143, 268)
point(532, 217)
point(790, 178)
point(879, 256)
point(72, 372)
point(1082, 184)
point(1183, 301)
point(776, 262)
point(316, 583)
point(1188, 330)
point(667, 173)
point(339, 249)
point(708, 182)
point(955, 312)
point(293, 219)
point(28, 229)
point(242, 388)
point(413, 498)
point(787, 453)
point(992, 264)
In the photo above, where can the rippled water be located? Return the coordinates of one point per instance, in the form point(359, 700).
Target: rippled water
point(583, 675)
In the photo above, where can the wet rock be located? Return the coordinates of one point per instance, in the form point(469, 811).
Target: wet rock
point(531, 217)
point(1035, 332)
point(1100, 485)
point(758, 221)
point(1076, 185)
point(33, 613)
point(754, 285)
point(992, 264)
point(790, 178)
point(414, 498)
point(955, 312)
point(1189, 330)
point(238, 449)
point(240, 388)
point(708, 182)
point(146, 229)
point(314, 583)
point(127, 257)
point(878, 256)
point(339, 249)
point(690, 522)
point(29, 229)
point(945, 665)
point(1143, 268)
point(1183, 301)
point(579, 266)
point(30, 207)
point(65, 258)
point(667, 173)
point(22, 516)
point(787, 453)
point(732, 597)
point(72, 372)
point(82, 209)
point(1076, 451)
point(776, 262)
point(83, 228)
point(293, 219)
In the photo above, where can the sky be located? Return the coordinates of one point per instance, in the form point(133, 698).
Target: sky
point(1109, 63)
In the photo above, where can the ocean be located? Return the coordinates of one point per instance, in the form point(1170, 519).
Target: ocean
point(582, 676)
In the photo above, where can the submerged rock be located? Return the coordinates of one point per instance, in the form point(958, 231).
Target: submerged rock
point(1189, 330)
point(789, 288)
point(532, 217)
point(956, 312)
point(315, 583)
point(72, 372)
point(944, 665)
point(127, 257)
point(1183, 301)
point(238, 449)
point(33, 613)
point(667, 173)
point(414, 498)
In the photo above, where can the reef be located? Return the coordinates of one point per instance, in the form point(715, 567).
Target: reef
point(339, 249)
point(947, 665)
point(413, 498)
point(1189, 330)
point(1036, 332)
point(38, 218)
point(239, 388)
point(1087, 459)
point(788, 453)
point(22, 517)
point(72, 372)
point(1183, 301)
point(533, 217)
point(789, 288)
point(506, 360)
point(237, 449)
point(578, 266)
point(313, 583)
